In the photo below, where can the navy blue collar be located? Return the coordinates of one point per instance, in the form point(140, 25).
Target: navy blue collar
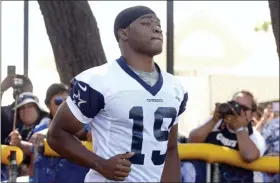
point(152, 89)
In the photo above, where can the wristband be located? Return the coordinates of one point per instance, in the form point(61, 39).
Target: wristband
point(240, 129)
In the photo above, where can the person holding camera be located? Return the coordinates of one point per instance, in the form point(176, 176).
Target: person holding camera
point(231, 126)
point(7, 112)
point(29, 115)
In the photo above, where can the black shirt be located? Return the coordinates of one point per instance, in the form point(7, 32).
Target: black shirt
point(221, 135)
point(7, 115)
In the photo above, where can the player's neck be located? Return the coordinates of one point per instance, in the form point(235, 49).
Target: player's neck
point(140, 62)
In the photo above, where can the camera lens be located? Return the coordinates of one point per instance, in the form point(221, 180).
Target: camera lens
point(225, 109)
point(17, 82)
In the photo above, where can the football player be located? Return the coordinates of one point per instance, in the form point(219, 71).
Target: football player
point(133, 108)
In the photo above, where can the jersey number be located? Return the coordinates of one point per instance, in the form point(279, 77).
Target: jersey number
point(136, 114)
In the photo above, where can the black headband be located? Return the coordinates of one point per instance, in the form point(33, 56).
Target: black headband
point(129, 15)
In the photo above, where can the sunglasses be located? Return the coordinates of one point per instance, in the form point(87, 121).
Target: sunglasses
point(244, 108)
point(240, 106)
point(58, 101)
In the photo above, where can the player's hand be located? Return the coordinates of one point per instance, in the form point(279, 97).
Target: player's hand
point(116, 168)
point(217, 116)
point(15, 138)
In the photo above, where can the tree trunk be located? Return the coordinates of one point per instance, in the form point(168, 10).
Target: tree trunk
point(74, 36)
point(274, 13)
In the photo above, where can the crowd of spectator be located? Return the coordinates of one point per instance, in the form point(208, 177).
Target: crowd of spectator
point(31, 122)
point(254, 133)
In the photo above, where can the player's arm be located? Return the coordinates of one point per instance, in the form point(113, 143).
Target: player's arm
point(61, 138)
point(79, 109)
point(171, 170)
point(82, 105)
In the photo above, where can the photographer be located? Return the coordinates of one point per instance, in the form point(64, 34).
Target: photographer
point(7, 113)
point(29, 115)
point(230, 126)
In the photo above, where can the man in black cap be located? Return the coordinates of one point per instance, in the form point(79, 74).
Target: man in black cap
point(132, 106)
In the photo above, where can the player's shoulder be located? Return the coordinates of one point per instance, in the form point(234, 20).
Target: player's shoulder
point(96, 75)
point(171, 79)
point(94, 72)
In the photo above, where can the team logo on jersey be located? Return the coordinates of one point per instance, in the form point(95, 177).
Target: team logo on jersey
point(176, 93)
point(77, 98)
point(154, 100)
point(84, 88)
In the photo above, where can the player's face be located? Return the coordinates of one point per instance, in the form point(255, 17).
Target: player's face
point(145, 35)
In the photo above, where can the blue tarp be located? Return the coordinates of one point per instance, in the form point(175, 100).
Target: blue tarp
point(55, 169)
point(4, 172)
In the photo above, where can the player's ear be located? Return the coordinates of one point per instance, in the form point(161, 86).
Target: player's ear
point(123, 34)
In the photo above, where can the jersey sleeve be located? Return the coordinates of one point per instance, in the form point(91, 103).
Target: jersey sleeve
point(85, 101)
point(182, 108)
point(183, 104)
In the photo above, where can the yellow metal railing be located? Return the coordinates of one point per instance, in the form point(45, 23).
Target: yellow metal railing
point(49, 152)
point(207, 152)
point(6, 151)
point(218, 154)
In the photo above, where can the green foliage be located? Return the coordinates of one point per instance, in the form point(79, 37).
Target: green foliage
point(263, 27)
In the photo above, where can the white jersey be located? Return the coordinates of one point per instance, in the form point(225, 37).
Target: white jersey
point(128, 115)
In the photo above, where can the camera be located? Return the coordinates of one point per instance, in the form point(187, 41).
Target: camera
point(17, 85)
point(226, 108)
